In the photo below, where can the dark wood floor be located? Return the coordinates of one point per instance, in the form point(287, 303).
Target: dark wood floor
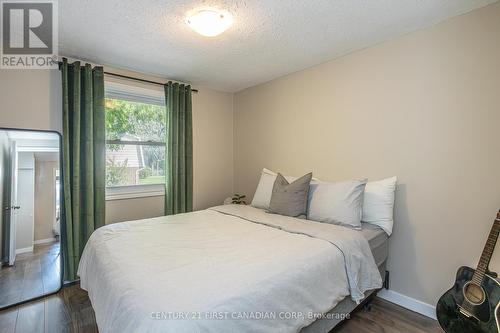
point(33, 274)
point(67, 311)
point(387, 317)
point(70, 311)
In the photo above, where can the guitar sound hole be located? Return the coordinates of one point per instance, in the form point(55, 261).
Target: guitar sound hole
point(474, 293)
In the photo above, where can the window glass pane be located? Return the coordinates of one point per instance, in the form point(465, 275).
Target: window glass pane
point(134, 165)
point(133, 121)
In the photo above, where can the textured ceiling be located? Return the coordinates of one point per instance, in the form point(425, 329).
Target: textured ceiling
point(269, 38)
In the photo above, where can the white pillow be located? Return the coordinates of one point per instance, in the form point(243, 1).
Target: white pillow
point(337, 203)
point(378, 203)
point(262, 197)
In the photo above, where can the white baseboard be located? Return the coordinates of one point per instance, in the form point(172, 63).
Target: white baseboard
point(24, 250)
point(43, 241)
point(408, 303)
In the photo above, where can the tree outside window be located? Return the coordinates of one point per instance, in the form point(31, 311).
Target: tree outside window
point(135, 143)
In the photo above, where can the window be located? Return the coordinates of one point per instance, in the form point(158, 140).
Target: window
point(135, 141)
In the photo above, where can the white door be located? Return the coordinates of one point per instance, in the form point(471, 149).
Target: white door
point(25, 201)
point(13, 203)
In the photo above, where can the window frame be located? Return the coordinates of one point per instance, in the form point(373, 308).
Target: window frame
point(136, 94)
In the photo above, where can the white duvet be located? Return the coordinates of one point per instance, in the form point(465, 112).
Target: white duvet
point(226, 269)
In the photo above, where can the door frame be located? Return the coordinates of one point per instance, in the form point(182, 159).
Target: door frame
point(62, 217)
point(14, 157)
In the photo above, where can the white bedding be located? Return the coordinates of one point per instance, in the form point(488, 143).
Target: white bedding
point(226, 269)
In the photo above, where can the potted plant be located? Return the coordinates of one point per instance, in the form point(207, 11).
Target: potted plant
point(238, 199)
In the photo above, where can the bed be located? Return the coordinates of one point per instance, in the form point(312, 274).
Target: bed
point(229, 268)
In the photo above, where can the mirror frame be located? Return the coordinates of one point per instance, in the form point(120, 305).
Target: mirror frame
point(62, 215)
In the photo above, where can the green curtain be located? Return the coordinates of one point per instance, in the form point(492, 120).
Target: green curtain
point(179, 149)
point(83, 160)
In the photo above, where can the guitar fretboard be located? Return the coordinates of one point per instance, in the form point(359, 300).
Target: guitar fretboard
point(489, 247)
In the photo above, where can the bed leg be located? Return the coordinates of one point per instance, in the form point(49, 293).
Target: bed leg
point(367, 304)
point(386, 280)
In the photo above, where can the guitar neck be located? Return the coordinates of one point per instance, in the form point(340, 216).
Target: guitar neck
point(489, 247)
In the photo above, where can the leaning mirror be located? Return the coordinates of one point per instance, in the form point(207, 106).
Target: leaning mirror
point(31, 218)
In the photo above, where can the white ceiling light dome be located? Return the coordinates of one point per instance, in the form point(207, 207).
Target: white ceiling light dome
point(209, 22)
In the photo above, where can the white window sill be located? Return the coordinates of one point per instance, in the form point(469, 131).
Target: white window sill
point(134, 191)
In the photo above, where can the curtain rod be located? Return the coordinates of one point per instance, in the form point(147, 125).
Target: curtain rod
point(140, 80)
point(135, 78)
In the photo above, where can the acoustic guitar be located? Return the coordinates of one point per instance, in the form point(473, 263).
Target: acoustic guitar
point(472, 304)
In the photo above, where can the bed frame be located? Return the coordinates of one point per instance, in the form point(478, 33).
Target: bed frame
point(346, 306)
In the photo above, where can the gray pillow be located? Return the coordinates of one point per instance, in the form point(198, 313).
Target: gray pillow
point(290, 199)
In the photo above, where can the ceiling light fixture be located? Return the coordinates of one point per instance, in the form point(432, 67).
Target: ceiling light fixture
point(209, 22)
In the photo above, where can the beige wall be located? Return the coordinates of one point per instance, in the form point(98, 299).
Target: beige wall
point(133, 209)
point(45, 197)
point(32, 99)
point(212, 148)
point(424, 107)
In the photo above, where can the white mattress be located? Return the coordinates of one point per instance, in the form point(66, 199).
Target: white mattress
point(142, 276)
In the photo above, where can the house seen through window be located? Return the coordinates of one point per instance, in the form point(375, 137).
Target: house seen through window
point(135, 140)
